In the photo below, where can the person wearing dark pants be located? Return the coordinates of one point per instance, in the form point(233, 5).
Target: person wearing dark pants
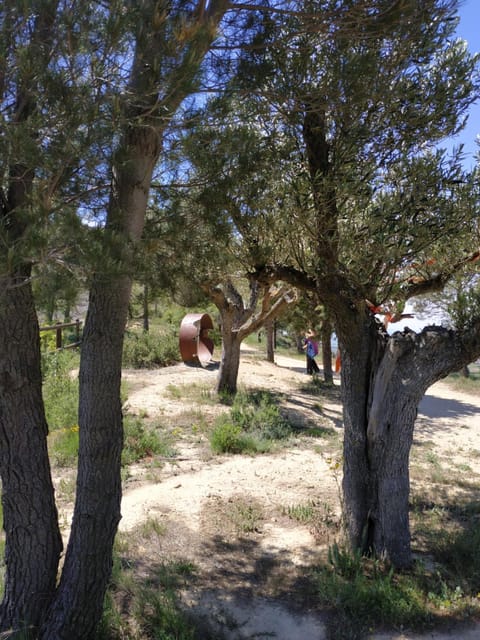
point(311, 350)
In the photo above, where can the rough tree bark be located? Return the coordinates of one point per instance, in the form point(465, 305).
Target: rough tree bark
point(229, 361)
point(270, 340)
point(33, 541)
point(77, 607)
point(383, 380)
point(383, 377)
point(78, 604)
point(326, 338)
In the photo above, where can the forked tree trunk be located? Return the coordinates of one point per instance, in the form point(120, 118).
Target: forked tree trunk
point(229, 363)
point(383, 379)
point(79, 601)
point(33, 541)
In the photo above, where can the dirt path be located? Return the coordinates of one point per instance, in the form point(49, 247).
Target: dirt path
point(249, 580)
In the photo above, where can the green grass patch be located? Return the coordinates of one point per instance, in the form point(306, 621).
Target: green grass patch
point(253, 424)
point(63, 446)
point(365, 596)
point(309, 512)
point(470, 384)
point(60, 389)
point(452, 537)
point(143, 441)
point(147, 606)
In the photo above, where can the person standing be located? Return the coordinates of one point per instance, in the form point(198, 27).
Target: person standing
point(311, 350)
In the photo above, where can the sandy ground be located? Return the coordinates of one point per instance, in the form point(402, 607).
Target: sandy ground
point(250, 583)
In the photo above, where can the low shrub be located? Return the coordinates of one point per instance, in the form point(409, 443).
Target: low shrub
point(227, 437)
point(150, 350)
point(252, 425)
point(141, 441)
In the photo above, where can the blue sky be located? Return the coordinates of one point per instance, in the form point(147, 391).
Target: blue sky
point(469, 30)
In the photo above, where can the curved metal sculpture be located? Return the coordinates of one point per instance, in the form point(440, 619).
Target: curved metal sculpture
point(196, 347)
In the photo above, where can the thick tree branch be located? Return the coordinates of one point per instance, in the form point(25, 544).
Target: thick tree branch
point(419, 286)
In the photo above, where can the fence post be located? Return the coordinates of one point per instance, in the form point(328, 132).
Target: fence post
point(59, 338)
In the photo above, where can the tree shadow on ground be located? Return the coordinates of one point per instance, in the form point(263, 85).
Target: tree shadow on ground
point(432, 406)
point(450, 411)
point(241, 590)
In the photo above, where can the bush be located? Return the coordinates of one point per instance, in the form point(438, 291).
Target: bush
point(253, 423)
point(149, 350)
point(258, 414)
point(141, 441)
point(228, 438)
point(60, 389)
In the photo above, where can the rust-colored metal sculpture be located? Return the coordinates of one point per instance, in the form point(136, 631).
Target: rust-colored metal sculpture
point(196, 347)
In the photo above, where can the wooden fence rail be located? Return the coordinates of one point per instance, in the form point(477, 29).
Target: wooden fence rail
point(58, 328)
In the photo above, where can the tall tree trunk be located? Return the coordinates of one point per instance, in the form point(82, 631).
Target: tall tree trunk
point(79, 602)
point(238, 321)
point(33, 541)
point(326, 339)
point(78, 605)
point(270, 340)
point(229, 363)
point(146, 317)
point(355, 376)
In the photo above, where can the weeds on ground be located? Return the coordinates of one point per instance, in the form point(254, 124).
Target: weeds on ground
point(197, 393)
point(63, 446)
point(451, 535)
point(60, 389)
point(60, 392)
point(142, 441)
point(253, 424)
point(310, 512)
point(316, 386)
point(146, 607)
point(365, 595)
point(244, 514)
point(470, 384)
